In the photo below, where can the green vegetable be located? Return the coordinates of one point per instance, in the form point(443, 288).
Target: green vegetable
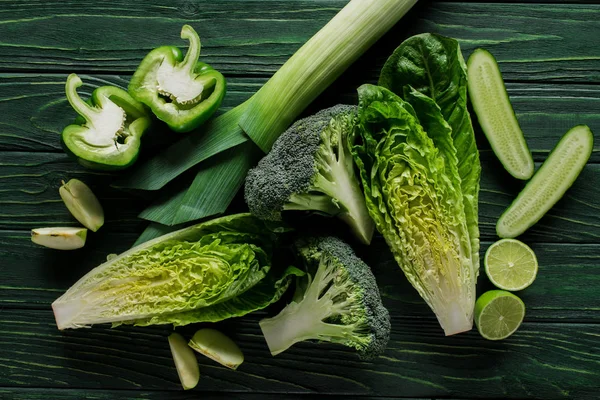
point(196, 267)
point(340, 304)
point(432, 66)
point(185, 361)
point(549, 183)
point(182, 92)
point(112, 126)
point(82, 203)
point(496, 115)
point(317, 64)
point(416, 202)
point(59, 238)
point(264, 293)
point(310, 168)
point(218, 347)
point(301, 79)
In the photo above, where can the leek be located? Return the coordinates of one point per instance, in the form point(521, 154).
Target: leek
point(275, 106)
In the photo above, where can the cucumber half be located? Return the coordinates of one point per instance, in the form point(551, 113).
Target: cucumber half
point(496, 115)
point(549, 184)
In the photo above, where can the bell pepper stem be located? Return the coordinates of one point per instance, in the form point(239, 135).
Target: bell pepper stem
point(82, 108)
point(193, 53)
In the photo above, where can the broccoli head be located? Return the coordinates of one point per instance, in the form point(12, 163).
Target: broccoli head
point(310, 168)
point(341, 304)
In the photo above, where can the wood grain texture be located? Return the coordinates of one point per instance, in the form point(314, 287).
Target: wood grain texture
point(548, 53)
point(555, 361)
point(35, 109)
point(98, 394)
point(256, 37)
point(29, 199)
point(565, 289)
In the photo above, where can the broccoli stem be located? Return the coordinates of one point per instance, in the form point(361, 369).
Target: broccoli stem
point(338, 180)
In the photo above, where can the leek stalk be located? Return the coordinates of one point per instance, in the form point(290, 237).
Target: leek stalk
point(275, 106)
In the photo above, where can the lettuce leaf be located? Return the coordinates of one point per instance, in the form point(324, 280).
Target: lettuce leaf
point(433, 65)
point(415, 199)
point(265, 293)
point(196, 267)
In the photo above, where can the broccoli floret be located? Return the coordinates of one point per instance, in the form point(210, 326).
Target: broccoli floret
point(341, 304)
point(311, 168)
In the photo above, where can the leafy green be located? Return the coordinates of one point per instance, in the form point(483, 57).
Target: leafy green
point(264, 293)
point(217, 135)
point(191, 202)
point(153, 231)
point(433, 65)
point(416, 201)
point(199, 266)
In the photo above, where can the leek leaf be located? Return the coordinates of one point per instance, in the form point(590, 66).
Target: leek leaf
point(332, 50)
point(225, 173)
point(215, 136)
point(153, 231)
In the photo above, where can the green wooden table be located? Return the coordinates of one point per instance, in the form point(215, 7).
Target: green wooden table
point(549, 53)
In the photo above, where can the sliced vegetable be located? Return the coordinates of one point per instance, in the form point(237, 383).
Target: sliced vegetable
point(417, 203)
point(549, 184)
point(113, 124)
point(82, 203)
point(264, 293)
point(338, 302)
point(310, 168)
point(301, 79)
point(185, 361)
point(218, 347)
point(429, 68)
point(496, 115)
point(181, 91)
point(196, 267)
point(59, 238)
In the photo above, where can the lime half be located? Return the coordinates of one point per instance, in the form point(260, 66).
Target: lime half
point(511, 264)
point(498, 314)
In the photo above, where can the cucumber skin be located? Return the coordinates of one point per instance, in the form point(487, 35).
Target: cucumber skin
point(528, 167)
point(505, 231)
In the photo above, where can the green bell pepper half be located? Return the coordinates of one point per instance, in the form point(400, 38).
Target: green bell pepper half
point(107, 134)
point(181, 91)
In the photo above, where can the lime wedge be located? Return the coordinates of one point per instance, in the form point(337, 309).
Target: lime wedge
point(511, 265)
point(498, 314)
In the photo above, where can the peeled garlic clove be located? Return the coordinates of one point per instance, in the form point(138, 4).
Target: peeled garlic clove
point(82, 203)
point(185, 361)
point(60, 238)
point(218, 347)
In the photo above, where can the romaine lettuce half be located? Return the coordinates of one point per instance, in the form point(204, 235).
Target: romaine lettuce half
point(432, 66)
point(413, 191)
point(169, 278)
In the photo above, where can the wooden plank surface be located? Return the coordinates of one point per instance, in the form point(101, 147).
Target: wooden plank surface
point(532, 42)
point(555, 361)
point(33, 277)
point(35, 109)
point(29, 185)
point(548, 53)
point(96, 394)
